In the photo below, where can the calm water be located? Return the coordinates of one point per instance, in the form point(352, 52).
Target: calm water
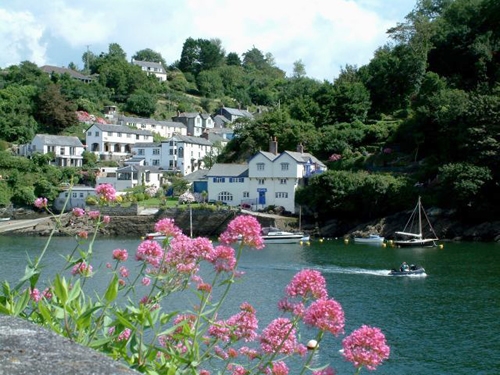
point(445, 323)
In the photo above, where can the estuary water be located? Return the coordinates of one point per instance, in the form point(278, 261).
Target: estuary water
point(447, 322)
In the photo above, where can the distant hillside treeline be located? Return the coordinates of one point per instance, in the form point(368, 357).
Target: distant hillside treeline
point(422, 117)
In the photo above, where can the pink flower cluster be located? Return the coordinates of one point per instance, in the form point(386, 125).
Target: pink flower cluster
point(41, 202)
point(280, 337)
point(167, 227)
point(366, 346)
point(82, 269)
point(245, 229)
point(106, 192)
point(240, 326)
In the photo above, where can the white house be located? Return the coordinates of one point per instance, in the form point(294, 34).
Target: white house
point(149, 153)
point(268, 179)
point(152, 68)
point(195, 122)
point(234, 113)
point(114, 142)
point(130, 176)
point(67, 150)
point(72, 197)
point(165, 129)
point(184, 154)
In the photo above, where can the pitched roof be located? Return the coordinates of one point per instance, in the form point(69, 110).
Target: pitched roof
point(190, 139)
point(238, 112)
point(140, 120)
point(120, 129)
point(59, 70)
point(59, 140)
point(198, 175)
point(304, 157)
point(149, 64)
point(228, 170)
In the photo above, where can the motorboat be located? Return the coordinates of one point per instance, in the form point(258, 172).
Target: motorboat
point(272, 235)
point(413, 270)
point(158, 236)
point(418, 231)
point(372, 239)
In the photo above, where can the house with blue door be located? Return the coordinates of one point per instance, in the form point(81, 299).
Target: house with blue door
point(268, 179)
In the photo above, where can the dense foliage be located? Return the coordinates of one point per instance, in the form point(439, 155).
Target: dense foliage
point(422, 117)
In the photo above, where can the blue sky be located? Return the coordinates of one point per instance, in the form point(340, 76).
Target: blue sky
point(325, 34)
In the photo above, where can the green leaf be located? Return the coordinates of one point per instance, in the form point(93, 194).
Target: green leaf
point(112, 290)
point(75, 291)
point(21, 303)
point(61, 289)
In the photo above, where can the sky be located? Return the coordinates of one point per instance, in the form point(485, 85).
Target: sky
point(326, 35)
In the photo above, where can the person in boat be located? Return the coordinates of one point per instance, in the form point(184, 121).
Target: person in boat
point(404, 267)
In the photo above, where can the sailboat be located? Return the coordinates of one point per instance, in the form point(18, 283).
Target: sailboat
point(417, 233)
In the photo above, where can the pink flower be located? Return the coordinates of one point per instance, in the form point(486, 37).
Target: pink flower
point(41, 202)
point(106, 219)
point(120, 254)
point(244, 324)
point(327, 315)
point(83, 234)
point(223, 259)
point(124, 335)
point(124, 272)
point(94, 215)
point(167, 227)
point(366, 346)
point(237, 369)
point(106, 192)
point(151, 252)
point(307, 284)
point(245, 228)
point(279, 336)
point(325, 371)
point(82, 268)
point(146, 281)
point(277, 368)
point(78, 212)
point(35, 295)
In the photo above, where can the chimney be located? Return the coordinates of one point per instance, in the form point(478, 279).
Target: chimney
point(273, 146)
point(300, 148)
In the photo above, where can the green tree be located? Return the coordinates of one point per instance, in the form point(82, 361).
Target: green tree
point(54, 110)
point(149, 55)
point(233, 59)
point(141, 103)
point(17, 123)
point(299, 69)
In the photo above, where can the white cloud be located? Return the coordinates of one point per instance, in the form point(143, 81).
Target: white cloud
point(324, 34)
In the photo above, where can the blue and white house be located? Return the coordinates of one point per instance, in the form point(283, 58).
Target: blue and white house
point(268, 179)
point(184, 154)
point(67, 150)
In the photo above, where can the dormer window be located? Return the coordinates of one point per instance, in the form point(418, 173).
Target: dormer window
point(284, 166)
point(261, 166)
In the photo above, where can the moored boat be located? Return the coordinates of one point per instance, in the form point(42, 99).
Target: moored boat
point(372, 239)
point(418, 231)
point(272, 235)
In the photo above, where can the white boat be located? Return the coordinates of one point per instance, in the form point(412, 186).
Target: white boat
point(4, 218)
point(272, 235)
point(155, 236)
point(411, 271)
point(418, 231)
point(372, 239)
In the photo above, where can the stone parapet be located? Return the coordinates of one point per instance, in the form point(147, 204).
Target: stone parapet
point(26, 348)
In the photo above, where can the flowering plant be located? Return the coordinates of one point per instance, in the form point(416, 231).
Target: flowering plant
point(130, 321)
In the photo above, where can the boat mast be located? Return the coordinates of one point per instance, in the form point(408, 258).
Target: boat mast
point(419, 218)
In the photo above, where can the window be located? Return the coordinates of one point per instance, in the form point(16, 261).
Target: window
point(281, 195)
point(260, 181)
point(89, 134)
point(260, 166)
point(246, 194)
point(283, 181)
point(156, 151)
point(74, 195)
point(171, 151)
point(225, 196)
point(236, 179)
point(219, 180)
point(110, 134)
point(140, 151)
point(284, 166)
point(81, 195)
point(97, 134)
point(156, 161)
point(62, 150)
point(119, 135)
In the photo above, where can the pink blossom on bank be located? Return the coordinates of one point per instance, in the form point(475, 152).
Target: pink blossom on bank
point(83, 234)
point(167, 227)
point(120, 254)
point(366, 346)
point(78, 212)
point(150, 252)
point(41, 202)
point(279, 337)
point(307, 284)
point(246, 229)
point(94, 215)
point(327, 315)
point(82, 268)
point(106, 219)
point(106, 192)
